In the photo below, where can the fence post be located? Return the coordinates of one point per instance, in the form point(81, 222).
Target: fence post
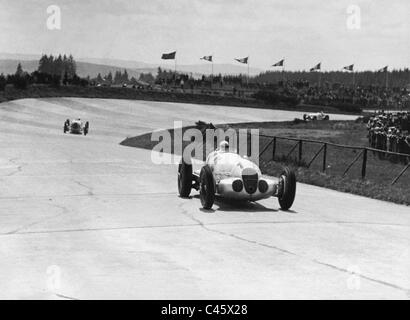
point(300, 151)
point(364, 163)
point(237, 142)
point(248, 143)
point(324, 157)
point(274, 148)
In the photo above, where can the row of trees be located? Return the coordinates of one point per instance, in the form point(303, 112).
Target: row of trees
point(118, 78)
point(51, 70)
point(19, 79)
point(3, 82)
point(62, 70)
point(122, 77)
point(62, 66)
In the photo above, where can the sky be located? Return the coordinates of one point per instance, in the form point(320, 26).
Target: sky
point(303, 32)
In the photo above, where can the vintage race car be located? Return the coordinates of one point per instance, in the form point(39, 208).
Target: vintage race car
point(315, 116)
point(76, 127)
point(231, 176)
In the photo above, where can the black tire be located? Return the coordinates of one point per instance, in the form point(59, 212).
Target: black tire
point(326, 117)
point(305, 117)
point(184, 179)
point(66, 126)
point(287, 183)
point(86, 126)
point(206, 187)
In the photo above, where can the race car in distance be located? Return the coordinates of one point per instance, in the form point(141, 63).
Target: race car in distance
point(231, 176)
point(315, 116)
point(76, 127)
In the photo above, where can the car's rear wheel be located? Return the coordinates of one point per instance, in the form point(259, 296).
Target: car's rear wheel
point(87, 125)
point(184, 179)
point(326, 117)
point(206, 187)
point(287, 189)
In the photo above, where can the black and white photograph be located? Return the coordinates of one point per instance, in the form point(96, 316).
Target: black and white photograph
point(204, 150)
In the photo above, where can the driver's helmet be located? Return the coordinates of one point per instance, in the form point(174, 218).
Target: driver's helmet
point(224, 146)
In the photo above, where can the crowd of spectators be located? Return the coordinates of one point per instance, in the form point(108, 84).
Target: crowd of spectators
point(373, 97)
point(326, 93)
point(390, 131)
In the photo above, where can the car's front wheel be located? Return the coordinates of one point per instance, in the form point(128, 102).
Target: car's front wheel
point(66, 125)
point(206, 187)
point(184, 179)
point(287, 189)
point(87, 125)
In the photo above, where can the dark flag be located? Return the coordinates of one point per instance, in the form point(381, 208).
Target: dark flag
point(383, 69)
point(279, 64)
point(243, 60)
point(316, 67)
point(207, 58)
point(168, 56)
point(349, 68)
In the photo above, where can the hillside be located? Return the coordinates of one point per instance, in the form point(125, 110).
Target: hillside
point(93, 66)
point(8, 66)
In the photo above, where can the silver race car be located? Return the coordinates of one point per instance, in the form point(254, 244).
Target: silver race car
point(76, 127)
point(315, 116)
point(231, 176)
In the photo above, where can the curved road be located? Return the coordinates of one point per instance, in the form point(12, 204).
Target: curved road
point(83, 217)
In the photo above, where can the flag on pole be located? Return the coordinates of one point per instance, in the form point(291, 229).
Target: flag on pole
point(243, 60)
point(387, 75)
point(349, 68)
point(207, 58)
point(279, 64)
point(316, 67)
point(168, 56)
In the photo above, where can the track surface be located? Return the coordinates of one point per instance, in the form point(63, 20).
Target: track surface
point(83, 217)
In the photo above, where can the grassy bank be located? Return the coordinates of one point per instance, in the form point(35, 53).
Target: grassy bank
point(380, 173)
point(42, 91)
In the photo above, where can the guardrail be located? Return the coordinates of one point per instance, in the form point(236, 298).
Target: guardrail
point(298, 148)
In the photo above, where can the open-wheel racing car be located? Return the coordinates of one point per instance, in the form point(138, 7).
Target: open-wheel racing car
point(76, 127)
point(231, 176)
point(315, 116)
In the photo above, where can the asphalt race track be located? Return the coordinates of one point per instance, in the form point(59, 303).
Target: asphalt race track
point(83, 217)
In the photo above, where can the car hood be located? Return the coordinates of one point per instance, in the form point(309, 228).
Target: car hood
point(227, 164)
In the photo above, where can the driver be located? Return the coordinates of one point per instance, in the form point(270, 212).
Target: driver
point(224, 146)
